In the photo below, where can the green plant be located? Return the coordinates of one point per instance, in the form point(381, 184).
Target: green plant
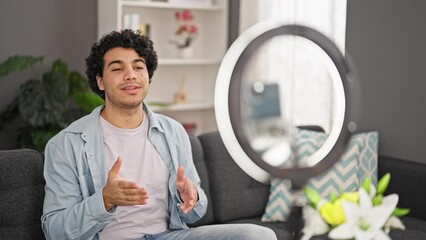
point(45, 104)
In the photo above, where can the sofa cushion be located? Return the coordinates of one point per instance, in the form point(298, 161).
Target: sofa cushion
point(235, 195)
point(368, 156)
point(415, 230)
point(21, 194)
point(200, 165)
point(343, 176)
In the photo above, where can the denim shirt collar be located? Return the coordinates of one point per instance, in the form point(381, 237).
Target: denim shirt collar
point(92, 122)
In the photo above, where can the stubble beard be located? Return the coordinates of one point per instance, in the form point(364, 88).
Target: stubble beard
point(125, 105)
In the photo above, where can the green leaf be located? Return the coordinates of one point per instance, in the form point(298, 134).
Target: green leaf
point(333, 197)
point(18, 63)
point(377, 200)
point(41, 137)
point(77, 83)
point(44, 102)
point(313, 196)
point(400, 212)
point(383, 183)
point(58, 66)
point(87, 101)
point(366, 184)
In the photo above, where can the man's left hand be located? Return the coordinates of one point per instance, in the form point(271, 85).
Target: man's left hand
point(187, 191)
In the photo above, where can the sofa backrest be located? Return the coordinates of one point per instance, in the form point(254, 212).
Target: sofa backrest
point(22, 191)
point(21, 194)
point(234, 194)
point(200, 165)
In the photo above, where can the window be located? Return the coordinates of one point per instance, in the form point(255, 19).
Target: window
point(306, 88)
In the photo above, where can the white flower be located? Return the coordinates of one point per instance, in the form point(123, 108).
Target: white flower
point(394, 223)
point(365, 221)
point(314, 224)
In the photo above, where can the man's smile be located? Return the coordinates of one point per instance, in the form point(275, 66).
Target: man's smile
point(131, 89)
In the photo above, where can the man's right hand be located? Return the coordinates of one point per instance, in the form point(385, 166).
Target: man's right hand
point(119, 192)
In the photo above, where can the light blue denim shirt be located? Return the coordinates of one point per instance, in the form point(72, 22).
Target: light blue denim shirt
point(75, 173)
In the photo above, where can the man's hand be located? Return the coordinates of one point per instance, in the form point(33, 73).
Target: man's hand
point(187, 191)
point(119, 192)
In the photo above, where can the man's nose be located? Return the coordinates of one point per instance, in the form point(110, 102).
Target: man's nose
point(130, 75)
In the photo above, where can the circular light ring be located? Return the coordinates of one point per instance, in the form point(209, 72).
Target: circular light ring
point(228, 92)
point(221, 100)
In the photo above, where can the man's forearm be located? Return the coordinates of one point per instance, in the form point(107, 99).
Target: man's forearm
point(81, 221)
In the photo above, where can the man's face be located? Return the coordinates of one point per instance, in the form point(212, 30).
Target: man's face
point(125, 78)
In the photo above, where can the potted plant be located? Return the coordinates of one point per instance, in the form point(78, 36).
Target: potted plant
point(186, 32)
point(45, 104)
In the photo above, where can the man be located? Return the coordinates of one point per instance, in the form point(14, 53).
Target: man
point(124, 172)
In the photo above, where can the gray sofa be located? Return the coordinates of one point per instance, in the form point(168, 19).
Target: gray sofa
point(233, 196)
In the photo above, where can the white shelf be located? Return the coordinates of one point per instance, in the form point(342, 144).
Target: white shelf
point(195, 76)
point(190, 61)
point(182, 107)
point(166, 5)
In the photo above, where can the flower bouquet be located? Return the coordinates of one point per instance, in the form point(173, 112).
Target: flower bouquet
point(362, 215)
point(186, 31)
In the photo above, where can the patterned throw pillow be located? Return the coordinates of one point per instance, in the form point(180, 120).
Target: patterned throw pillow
point(368, 155)
point(343, 176)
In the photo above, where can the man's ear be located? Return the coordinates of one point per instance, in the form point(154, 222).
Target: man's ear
point(100, 82)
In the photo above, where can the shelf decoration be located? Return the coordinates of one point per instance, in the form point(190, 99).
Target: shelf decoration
point(186, 32)
point(180, 95)
point(132, 21)
point(144, 29)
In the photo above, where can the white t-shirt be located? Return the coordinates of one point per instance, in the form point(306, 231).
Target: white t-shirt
point(141, 164)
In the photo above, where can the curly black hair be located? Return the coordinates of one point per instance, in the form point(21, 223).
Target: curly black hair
point(126, 39)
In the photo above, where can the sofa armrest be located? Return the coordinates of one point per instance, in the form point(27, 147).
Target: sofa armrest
point(21, 194)
point(407, 180)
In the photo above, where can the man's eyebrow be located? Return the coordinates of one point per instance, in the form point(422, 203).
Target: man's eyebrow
point(139, 60)
point(120, 62)
point(115, 61)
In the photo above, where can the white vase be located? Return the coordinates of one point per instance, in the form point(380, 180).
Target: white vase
point(187, 52)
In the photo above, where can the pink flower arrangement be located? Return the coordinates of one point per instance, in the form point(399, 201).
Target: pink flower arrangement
point(186, 31)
